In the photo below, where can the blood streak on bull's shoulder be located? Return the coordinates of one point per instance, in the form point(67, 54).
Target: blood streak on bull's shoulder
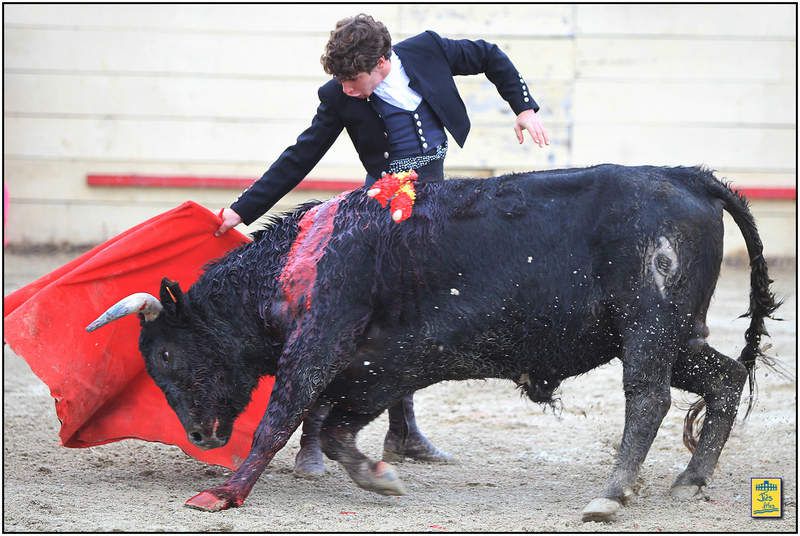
point(300, 271)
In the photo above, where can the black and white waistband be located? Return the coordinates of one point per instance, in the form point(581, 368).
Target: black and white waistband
point(416, 162)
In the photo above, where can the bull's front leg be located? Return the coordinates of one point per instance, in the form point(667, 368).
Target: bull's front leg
point(303, 373)
point(309, 462)
point(405, 439)
point(279, 422)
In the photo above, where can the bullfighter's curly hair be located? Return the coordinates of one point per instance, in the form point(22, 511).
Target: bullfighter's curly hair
point(355, 46)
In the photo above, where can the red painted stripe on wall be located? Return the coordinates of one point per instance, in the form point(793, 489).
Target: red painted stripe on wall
point(232, 183)
point(768, 193)
point(239, 183)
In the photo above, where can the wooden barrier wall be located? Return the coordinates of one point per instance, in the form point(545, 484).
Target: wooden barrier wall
point(215, 90)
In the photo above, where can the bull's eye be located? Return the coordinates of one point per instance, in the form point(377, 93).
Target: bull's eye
point(165, 357)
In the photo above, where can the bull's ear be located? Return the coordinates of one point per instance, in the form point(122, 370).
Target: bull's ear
point(171, 296)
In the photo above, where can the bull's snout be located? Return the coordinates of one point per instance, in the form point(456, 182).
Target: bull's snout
point(206, 437)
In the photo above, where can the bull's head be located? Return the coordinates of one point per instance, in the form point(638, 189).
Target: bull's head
point(194, 357)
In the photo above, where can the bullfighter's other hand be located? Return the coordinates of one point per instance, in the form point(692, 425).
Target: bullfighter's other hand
point(229, 219)
point(528, 120)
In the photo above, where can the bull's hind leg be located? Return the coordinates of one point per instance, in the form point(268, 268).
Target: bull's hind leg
point(719, 380)
point(647, 363)
point(338, 439)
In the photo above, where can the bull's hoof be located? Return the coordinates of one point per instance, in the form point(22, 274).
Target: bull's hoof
point(309, 472)
point(601, 509)
point(385, 481)
point(309, 463)
point(211, 501)
point(684, 491)
point(417, 448)
point(379, 477)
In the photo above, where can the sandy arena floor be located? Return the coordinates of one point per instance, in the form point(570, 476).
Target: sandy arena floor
point(520, 468)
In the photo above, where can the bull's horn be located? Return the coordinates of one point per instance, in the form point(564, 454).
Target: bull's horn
point(141, 302)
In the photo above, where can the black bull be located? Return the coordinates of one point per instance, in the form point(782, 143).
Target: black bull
point(531, 277)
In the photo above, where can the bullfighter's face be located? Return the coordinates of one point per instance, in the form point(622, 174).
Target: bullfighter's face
point(364, 84)
point(193, 363)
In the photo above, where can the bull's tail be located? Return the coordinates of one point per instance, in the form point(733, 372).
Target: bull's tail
point(762, 301)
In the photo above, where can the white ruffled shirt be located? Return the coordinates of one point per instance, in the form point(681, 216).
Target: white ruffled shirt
point(394, 88)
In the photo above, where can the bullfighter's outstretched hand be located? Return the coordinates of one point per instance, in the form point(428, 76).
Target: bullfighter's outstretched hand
point(529, 120)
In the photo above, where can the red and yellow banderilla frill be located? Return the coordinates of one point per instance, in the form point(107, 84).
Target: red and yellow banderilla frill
point(399, 187)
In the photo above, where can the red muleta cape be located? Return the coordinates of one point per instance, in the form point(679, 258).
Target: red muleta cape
point(98, 380)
